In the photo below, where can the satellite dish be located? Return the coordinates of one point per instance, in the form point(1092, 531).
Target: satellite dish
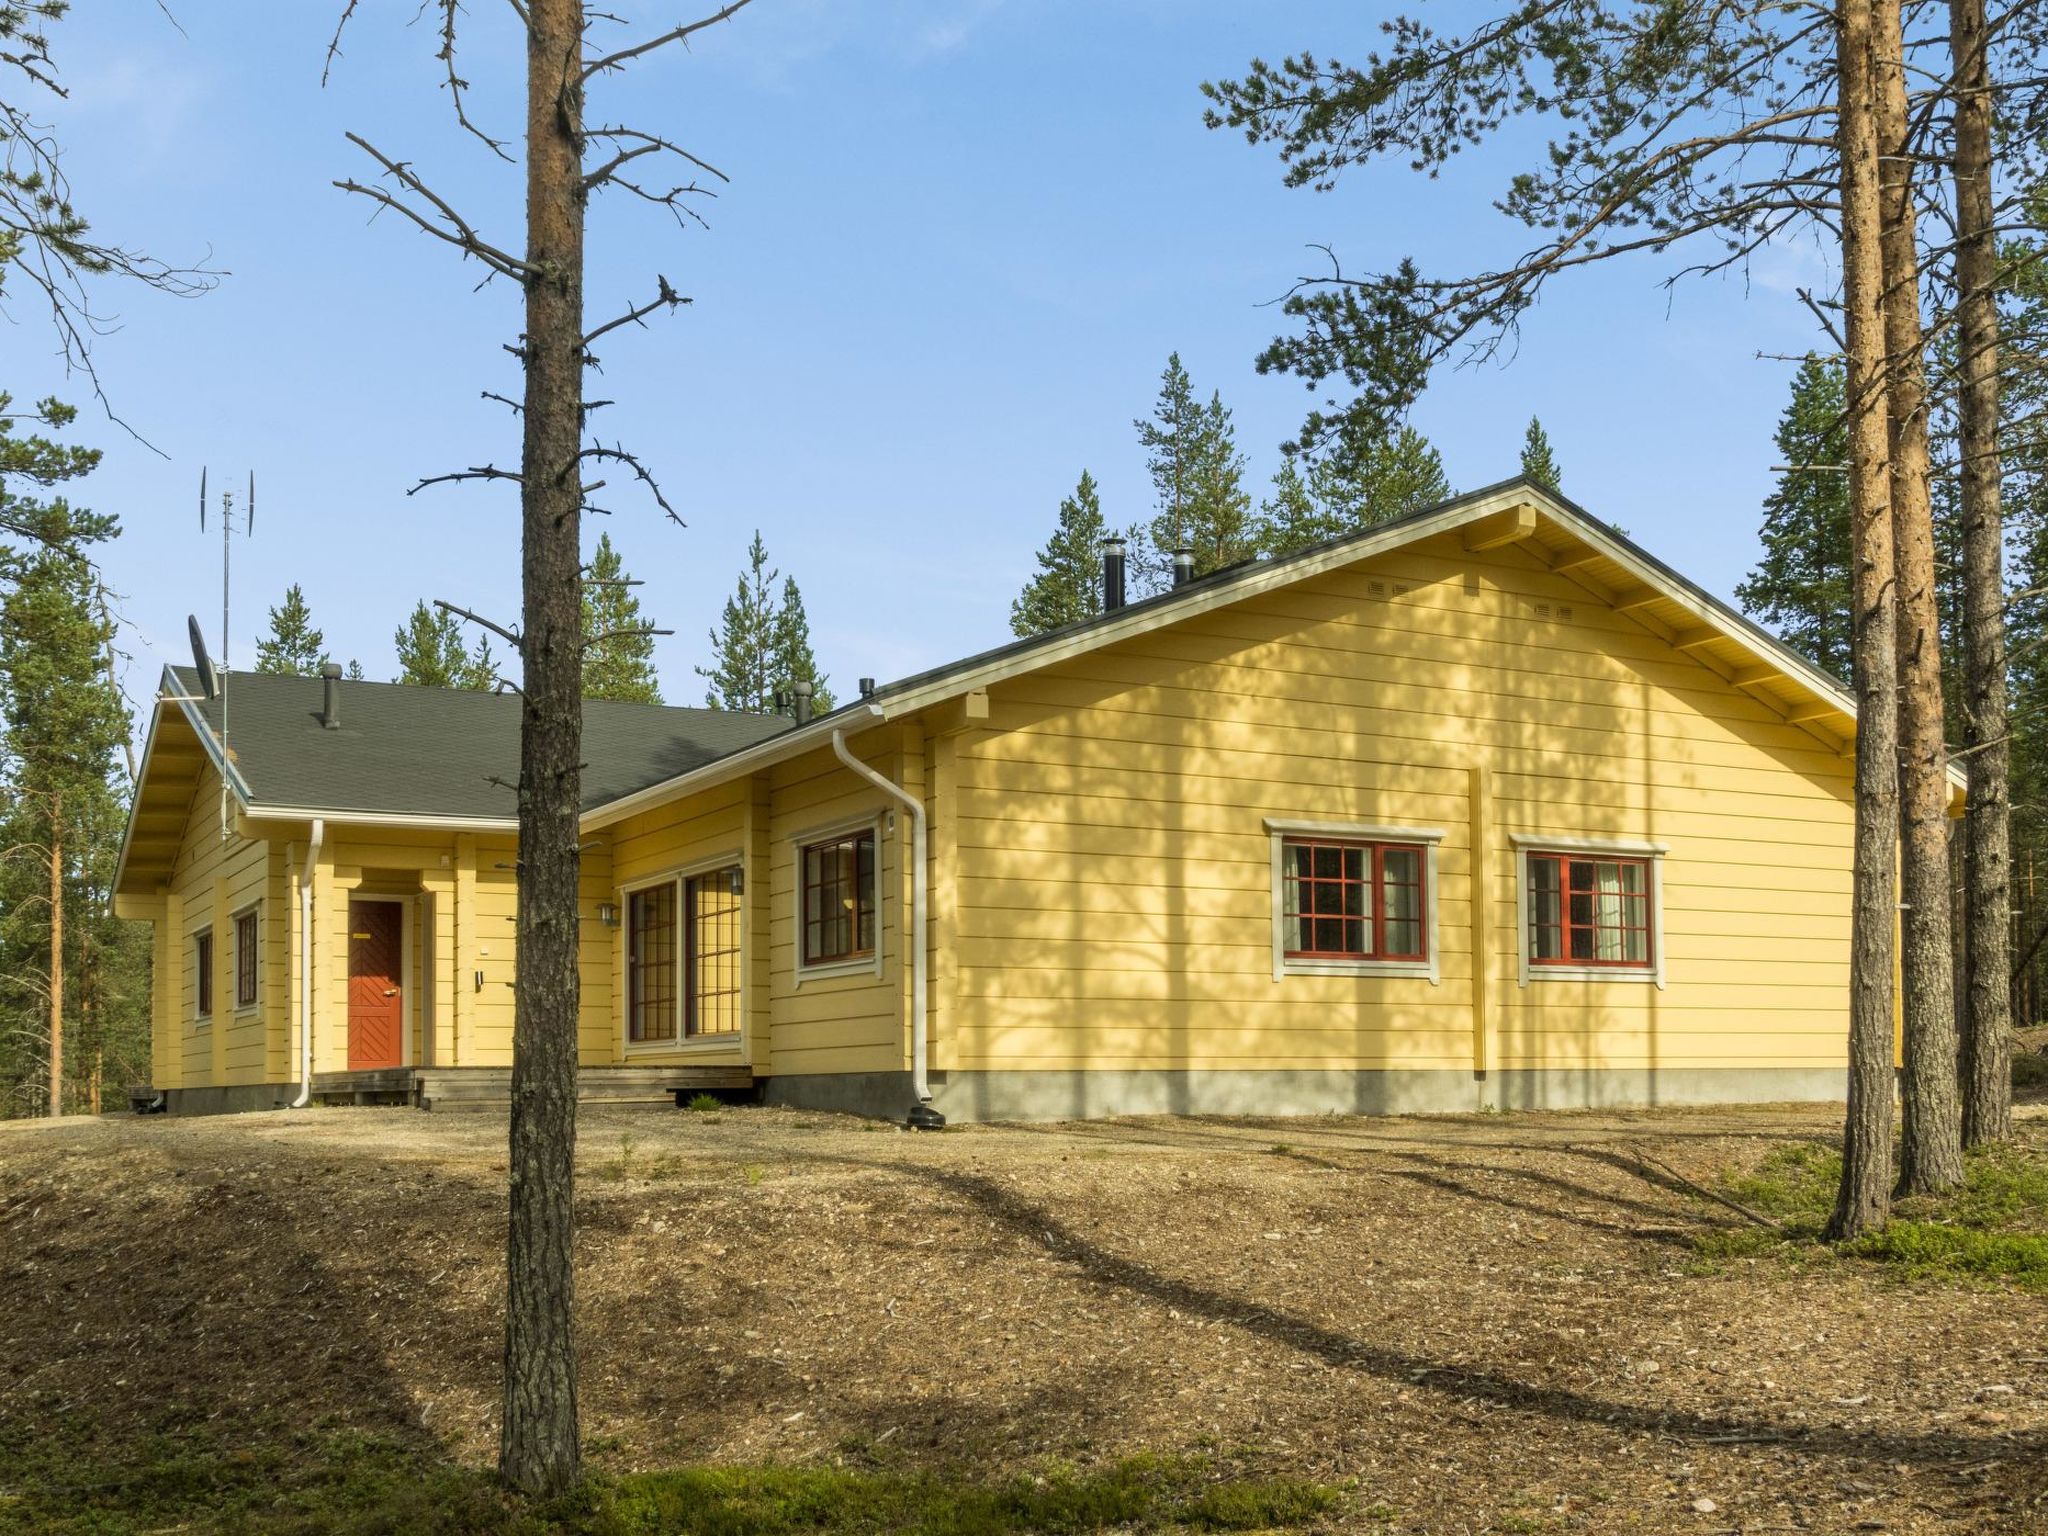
point(209, 675)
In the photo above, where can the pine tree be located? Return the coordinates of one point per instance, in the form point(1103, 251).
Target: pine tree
point(762, 645)
point(1386, 479)
point(1802, 587)
point(1538, 462)
point(431, 653)
point(1291, 518)
point(1067, 587)
point(63, 798)
point(293, 647)
point(794, 661)
point(742, 670)
point(618, 651)
point(1198, 482)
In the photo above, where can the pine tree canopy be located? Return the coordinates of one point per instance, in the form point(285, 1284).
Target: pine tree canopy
point(1067, 586)
point(293, 646)
point(1538, 462)
point(1197, 482)
point(1802, 585)
point(794, 661)
point(618, 651)
point(1381, 481)
point(762, 644)
point(431, 653)
point(62, 726)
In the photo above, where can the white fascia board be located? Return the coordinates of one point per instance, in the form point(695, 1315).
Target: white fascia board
point(1156, 615)
point(763, 754)
point(167, 693)
point(381, 818)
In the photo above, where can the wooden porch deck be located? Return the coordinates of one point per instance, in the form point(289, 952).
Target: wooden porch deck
point(491, 1087)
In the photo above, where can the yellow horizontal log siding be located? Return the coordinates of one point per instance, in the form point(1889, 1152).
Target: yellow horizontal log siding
point(213, 880)
point(1114, 889)
point(845, 1023)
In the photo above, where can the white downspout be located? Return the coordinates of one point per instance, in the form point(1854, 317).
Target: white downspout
point(306, 964)
point(918, 1085)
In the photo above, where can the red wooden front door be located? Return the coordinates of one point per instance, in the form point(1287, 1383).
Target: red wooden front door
point(376, 998)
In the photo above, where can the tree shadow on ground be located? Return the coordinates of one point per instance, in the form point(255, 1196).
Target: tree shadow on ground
point(1346, 1352)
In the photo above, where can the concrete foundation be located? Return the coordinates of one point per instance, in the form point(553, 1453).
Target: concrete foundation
point(229, 1101)
point(1077, 1095)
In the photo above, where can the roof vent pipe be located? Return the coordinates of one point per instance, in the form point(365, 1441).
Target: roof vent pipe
point(867, 687)
point(1112, 573)
point(330, 708)
point(802, 707)
point(1183, 566)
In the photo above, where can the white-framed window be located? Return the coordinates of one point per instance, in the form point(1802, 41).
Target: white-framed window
point(1589, 909)
point(685, 956)
point(248, 959)
point(1354, 899)
point(838, 886)
point(202, 977)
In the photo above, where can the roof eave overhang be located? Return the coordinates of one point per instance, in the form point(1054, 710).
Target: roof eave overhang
point(762, 754)
point(168, 693)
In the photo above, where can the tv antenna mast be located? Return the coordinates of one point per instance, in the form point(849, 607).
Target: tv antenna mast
point(213, 681)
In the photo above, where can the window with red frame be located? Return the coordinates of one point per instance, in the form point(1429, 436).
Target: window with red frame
point(1589, 910)
point(1344, 900)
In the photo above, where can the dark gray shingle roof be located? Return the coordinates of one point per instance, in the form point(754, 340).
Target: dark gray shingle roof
point(434, 751)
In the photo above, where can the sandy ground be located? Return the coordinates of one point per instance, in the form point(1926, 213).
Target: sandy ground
point(1492, 1323)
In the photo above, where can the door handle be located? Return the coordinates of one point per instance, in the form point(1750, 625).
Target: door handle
point(391, 991)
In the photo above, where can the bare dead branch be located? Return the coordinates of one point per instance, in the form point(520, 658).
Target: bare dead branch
point(334, 43)
point(619, 454)
point(457, 230)
point(511, 636)
point(638, 143)
point(456, 85)
point(630, 632)
point(474, 472)
point(666, 298)
point(677, 34)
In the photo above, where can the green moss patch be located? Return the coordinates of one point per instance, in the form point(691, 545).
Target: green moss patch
point(1995, 1228)
point(352, 1486)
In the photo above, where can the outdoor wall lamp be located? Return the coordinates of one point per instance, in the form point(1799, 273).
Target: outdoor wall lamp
point(608, 914)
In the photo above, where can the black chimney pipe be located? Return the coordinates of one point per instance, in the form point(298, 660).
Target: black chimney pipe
point(1112, 573)
point(330, 711)
point(802, 691)
point(1183, 566)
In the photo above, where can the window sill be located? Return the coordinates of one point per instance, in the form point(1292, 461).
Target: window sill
point(687, 1045)
point(867, 965)
point(1647, 975)
point(1416, 968)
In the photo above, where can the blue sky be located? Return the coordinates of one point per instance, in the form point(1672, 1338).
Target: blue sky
point(960, 240)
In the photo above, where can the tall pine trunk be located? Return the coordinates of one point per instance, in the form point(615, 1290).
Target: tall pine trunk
point(1987, 870)
point(1864, 1197)
point(1931, 1142)
point(56, 956)
point(540, 1450)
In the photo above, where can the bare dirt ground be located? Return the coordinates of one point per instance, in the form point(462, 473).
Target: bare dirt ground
point(1491, 1323)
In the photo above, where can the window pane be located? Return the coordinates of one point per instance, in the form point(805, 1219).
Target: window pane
point(713, 916)
point(1546, 936)
point(839, 898)
point(651, 964)
point(1401, 904)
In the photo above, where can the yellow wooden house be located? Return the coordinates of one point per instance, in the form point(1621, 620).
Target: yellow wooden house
point(1484, 807)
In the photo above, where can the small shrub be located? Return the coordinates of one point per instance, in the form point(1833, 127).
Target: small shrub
point(704, 1103)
